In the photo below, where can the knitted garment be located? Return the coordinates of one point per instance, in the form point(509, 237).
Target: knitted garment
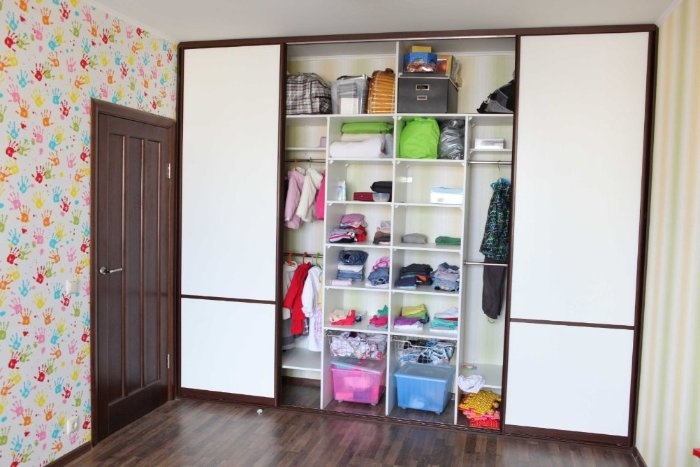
point(480, 403)
point(496, 241)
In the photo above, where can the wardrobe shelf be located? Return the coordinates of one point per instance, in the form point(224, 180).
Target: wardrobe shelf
point(357, 203)
point(305, 149)
point(425, 333)
point(301, 359)
point(493, 374)
point(426, 290)
point(362, 160)
point(356, 287)
point(504, 150)
point(427, 247)
point(357, 245)
point(490, 119)
point(429, 162)
point(362, 326)
point(427, 205)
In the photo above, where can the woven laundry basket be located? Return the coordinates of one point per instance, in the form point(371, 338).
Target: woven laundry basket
point(382, 92)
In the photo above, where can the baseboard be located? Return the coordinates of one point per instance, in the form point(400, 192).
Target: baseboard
point(315, 383)
point(638, 457)
point(564, 435)
point(71, 456)
point(225, 396)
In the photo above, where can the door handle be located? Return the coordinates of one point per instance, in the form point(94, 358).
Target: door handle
point(104, 270)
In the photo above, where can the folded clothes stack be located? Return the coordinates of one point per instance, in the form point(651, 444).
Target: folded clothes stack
point(414, 275)
point(412, 317)
point(446, 320)
point(351, 265)
point(383, 234)
point(446, 277)
point(379, 277)
point(352, 228)
point(381, 318)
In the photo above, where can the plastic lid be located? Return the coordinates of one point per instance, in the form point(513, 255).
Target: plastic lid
point(349, 363)
point(425, 371)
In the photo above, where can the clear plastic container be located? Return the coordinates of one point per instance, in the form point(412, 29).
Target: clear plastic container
point(349, 95)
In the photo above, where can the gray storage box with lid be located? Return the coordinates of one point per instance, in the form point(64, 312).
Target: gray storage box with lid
point(426, 93)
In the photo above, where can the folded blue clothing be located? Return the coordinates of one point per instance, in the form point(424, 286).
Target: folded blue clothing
point(448, 285)
point(352, 257)
point(379, 276)
point(356, 276)
point(406, 282)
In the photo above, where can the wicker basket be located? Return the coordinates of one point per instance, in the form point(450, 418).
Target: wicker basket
point(381, 94)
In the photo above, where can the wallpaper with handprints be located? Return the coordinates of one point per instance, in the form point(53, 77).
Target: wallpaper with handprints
point(56, 55)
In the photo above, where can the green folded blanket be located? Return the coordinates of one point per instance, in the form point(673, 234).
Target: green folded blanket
point(366, 127)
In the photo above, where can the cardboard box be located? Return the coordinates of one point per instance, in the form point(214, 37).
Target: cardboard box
point(448, 65)
point(421, 48)
point(420, 62)
point(444, 63)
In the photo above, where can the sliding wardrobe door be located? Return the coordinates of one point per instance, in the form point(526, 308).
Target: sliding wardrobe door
point(578, 200)
point(230, 180)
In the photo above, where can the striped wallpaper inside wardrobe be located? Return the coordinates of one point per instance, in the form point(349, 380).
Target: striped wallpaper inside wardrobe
point(668, 423)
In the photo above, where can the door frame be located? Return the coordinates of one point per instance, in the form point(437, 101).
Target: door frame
point(99, 109)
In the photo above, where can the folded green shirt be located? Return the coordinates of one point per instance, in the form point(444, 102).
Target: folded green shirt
point(366, 127)
point(445, 240)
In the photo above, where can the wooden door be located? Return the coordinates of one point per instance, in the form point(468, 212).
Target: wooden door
point(132, 298)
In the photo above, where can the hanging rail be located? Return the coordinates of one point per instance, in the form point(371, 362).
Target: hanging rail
point(306, 159)
point(483, 263)
point(304, 254)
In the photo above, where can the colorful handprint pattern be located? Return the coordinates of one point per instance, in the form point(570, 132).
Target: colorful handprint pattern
point(57, 55)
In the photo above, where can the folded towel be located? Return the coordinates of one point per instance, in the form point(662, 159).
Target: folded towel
point(369, 148)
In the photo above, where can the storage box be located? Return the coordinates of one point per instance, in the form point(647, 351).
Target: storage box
point(446, 195)
point(448, 65)
point(424, 93)
point(349, 95)
point(424, 387)
point(358, 380)
point(421, 48)
point(420, 62)
point(362, 196)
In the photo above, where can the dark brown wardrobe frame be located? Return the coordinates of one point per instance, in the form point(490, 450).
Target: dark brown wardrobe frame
point(622, 441)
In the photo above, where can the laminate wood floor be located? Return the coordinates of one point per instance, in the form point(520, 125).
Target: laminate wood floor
point(188, 432)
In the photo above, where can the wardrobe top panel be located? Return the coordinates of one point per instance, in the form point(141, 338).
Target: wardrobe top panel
point(456, 46)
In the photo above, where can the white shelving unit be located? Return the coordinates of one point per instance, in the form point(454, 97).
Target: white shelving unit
point(409, 211)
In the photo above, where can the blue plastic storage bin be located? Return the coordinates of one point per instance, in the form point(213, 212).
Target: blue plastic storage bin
point(424, 387)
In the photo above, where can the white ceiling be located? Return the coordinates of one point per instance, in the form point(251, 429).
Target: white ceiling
point(189, 20)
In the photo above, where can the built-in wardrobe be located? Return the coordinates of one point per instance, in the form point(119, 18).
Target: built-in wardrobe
point(560, 351)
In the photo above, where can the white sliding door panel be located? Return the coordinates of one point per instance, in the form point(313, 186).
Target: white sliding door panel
point(569, 378)
point(225, 347)
point(581, 109)
point(230, 171)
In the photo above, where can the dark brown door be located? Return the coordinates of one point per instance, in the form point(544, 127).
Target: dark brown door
point(131, 265)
